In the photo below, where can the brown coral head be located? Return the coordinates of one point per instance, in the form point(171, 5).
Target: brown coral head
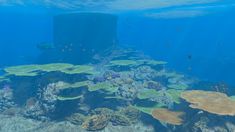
point(31, 102)
point(95, 123)
point(168, 116)
point(212, 102)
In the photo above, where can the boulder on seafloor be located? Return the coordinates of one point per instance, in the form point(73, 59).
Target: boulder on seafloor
point(118, 119)
point(131, 113)
point(6, 98)
point(95, 123)
point(103, 111)
point(76, 118)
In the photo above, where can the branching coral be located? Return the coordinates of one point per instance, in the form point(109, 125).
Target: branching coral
point(6, 99)
point(213, 102)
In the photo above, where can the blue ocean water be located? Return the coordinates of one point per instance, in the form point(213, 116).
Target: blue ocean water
point(195, 38)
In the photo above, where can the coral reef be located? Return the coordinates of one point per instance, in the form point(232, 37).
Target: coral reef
point(213, 102)
point(103, 111)
point(144, 73)
point(131, 113)
point(34, 110)
point(77, 118)
point(21, 124)
point(6, 98)
point(102, 116)
point(135, 86)
point(95, 123)
point(168, 116)
point(118, 119)
point(48, 96)
point(123, 63)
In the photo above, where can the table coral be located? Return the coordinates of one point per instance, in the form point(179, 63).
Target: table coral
point(168, 116)
point(213, 102)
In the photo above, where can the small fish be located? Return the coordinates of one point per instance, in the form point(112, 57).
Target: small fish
point(45, 46)
point(200, 112)
point(189, 57)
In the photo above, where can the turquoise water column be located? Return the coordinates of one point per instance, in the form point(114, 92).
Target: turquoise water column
point(79, 36)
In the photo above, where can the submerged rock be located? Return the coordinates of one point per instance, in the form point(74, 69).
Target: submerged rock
point(21, 124)
point(95, 123)
point(77, 118)
point(103, 111)
point(6, 99)
point(131, 113)
point(118, 119)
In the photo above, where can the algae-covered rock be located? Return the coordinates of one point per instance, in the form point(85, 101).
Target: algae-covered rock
point(74, 85)
point(179, 86)
point(147, 93)
point(77, 118)
point(152, 62)
point(163, 97)
point(131, 113)
point(153, 85)
point(175, 95)
point(86, 69)
point(103, 111)
point(123, 63)
point(119, 119)
point(106, 86)
point(95, 123)
point(147, 109)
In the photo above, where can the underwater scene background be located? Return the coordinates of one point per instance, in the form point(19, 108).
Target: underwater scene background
point(117, 65)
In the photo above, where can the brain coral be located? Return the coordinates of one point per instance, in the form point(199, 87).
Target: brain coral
point(167, 116)
point(213, 102)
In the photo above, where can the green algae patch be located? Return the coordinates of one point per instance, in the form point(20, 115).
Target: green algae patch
point(61, 98)
point(55, 67)
point(3, 78)
point(178, 86)
point(147, 109)
point(106, 86)
point(23, 70)
point(115, 97)
point(74, 85)
point(151, 94)
point(34, 70)
point(123, 63)
point(147, 93)
point(152, 62)
point(78, 69)
point(172, 75)
point(175, 95)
